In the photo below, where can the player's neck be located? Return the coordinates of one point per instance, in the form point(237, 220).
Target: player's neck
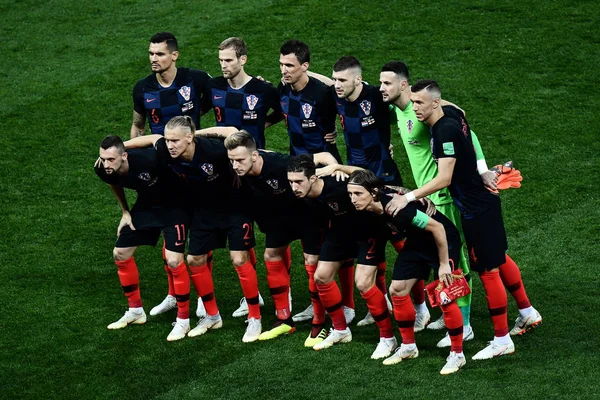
point(257, 166)
point(188, 154)
point(239, 80)
point(167, 77)
point(356, 94)
point(403, 100)
point(124, 168)
point(301, 84)
point(375, 207)
point(437, 114)
point(316, 189)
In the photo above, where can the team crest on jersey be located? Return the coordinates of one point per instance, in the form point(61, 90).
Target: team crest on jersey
point(185, 92)
point(307, 110)
point(144, 176)
point(366, 106)
point(252, 100)
point(208, 168)
point(333, 205)
point(274, 183)
point(410, 125)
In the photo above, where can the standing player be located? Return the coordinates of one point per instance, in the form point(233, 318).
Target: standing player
point(481, 212)
point(281, 217)
point(431, 243)
point(306, 103)
point(238, 99)
point(346, 237)
point(139, 169)
point(415, 136)
point(218, 215)
point(169, 91)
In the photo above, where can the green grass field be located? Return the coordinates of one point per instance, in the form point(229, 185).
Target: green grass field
point(527, 75)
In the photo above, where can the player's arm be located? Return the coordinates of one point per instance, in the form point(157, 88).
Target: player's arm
point(142, 141)
point(119, 193)
point(276, 115)
point(219, 132)
point(328, 116)
point(489, 178)
point(448, 103)
point(138, 127)
point(442, 180)
point(319, 77)
point(439, 236)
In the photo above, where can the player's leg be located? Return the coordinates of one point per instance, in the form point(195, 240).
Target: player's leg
point(129, 279)
point(346, 279)
point(317, 310)
point(404, 314)
point(169, 302)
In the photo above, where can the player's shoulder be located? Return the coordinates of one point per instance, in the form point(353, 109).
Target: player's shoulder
point(453, 112)
point(256, 85)
point(218, 82)
point(144, 155)
point(145, 82)
point(274, 158)
point(195, 75)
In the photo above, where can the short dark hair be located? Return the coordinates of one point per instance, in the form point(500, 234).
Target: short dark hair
point(347, 62)
point(298, 48)
point(302, 163)
point(397, 67)
point(368, 180)
point(168, 37)
point(240, 139)
point(113, 141)
point(429, 85)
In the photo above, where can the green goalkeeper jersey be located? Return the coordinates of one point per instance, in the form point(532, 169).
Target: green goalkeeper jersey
point(416, 138)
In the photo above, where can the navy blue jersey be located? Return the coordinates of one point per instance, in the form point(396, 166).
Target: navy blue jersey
point(187, 95)
point(208, 177)
point(309, 115)
point(411, 221)
point(451, 138)
point(143, 176)
point(244, 108)
point(366, 125)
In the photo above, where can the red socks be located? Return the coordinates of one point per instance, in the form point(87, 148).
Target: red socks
point(399, 245)
point(331, 297)
point(454, 323)
point(203, 282)
point(181, 282)
point(378, 309)
point(249, 283)
point(346, 276)
point(511, 278)
point(380, 278)
point(497, 301)
point(404, 313)
point(319, 310)
point(418, 292)
point(279, 284)
point(130, 281)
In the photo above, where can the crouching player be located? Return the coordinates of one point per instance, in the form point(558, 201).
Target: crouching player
point(431, 243)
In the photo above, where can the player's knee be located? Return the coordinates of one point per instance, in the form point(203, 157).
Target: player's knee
point(174, 260)
point(363, 285)
point(196, 260)
point(272, 255)
point(239, 259)
point(399, 288)
point(122, 254)
point(311, 259)
point(322, 278)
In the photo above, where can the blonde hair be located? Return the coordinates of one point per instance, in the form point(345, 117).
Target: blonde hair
point(182, 121)
point(240, 139)
point(236, 44)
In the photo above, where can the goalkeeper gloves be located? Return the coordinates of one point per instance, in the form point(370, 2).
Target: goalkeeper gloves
point(508, 176)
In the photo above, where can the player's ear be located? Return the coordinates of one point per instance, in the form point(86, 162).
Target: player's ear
point(254, 155)
point(175, 55)
point(304, 66)
point(124, 155)
point(436, 102)
point(358, 80)
point(243, 59)
point(375, 194)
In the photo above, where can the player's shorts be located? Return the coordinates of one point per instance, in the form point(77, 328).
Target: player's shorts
point(212, 229)
point(418, 265)
point(149, 223)
point(347, 238)
point(486, 239)
point(285, 229)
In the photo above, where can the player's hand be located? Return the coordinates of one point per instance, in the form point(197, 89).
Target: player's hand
point(98, 163)
point(330, 137)
point(398, 203)
point(340, 176)
point(429, 204)
point(125, 221)
point(260, 78)
point(507, 176)
point(445, 274)
point(327, 170)
point(490, 180)
point(391, 150)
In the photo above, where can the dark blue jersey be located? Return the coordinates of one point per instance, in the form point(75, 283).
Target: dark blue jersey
point(309, 115)
point(208, 177)
point(451, 138)
point(244, 108)
point(366, 125)
point(187, 95)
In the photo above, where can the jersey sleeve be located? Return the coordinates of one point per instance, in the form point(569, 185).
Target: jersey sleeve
point(477, 146)
point(138, 98)
point(406, 217)
point(393, 117)
point(446, 140)
point(202, 87)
